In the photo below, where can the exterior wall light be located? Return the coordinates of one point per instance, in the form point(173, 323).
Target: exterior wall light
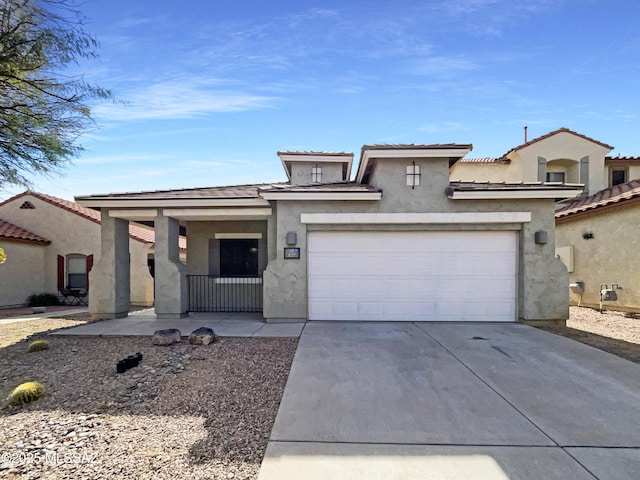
point(587, 235)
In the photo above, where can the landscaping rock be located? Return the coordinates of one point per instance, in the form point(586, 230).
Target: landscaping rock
point(202, 336)
point(166, 337)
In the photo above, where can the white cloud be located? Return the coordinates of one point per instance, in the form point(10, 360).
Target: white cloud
point(179, 99)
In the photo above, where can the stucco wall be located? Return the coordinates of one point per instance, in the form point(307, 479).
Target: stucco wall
point(564, 146)
point(469, 172)
point(611, 256)
point(20, 274)
point(542, 278)
point(301, 172)
point(69, 233)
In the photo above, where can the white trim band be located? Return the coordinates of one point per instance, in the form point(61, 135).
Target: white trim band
point(415, 218)
point(238, 236)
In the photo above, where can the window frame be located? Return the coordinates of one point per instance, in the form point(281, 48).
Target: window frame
point(84, 275)
point(549, 173)
point(612, 170)
point(229, 267)
point(316, 174)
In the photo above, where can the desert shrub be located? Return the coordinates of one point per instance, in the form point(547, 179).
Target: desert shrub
point(26, 393)
point(39, 345)
point(43, 299)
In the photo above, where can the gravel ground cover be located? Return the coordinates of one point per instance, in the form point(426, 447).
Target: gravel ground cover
point(613, 332)
point(186, 412)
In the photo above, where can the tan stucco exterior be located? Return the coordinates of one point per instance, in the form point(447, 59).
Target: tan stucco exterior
point(21, 257)
point(69, 233)
point(610, 257)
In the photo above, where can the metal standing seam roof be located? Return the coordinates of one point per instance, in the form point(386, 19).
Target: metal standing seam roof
point(616, 195)
point(137, 232)
point(9, 231)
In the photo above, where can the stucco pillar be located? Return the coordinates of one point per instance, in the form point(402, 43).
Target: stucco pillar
point(171, 290)
point(109, 279)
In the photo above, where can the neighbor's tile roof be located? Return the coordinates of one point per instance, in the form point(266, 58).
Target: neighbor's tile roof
point(10, 231)
point(550, 134)
point(621, 161)
point(137, 232)
point(311, 152)
point(616, 195)
point(486, 160)
point(232, 191)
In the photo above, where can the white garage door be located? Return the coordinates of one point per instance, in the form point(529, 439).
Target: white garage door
point(412, 276)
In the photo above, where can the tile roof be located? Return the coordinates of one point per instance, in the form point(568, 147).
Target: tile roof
point(486, 160)
point(311, 152)
point(555, 132)
point(416, 146)
point(616, 195)
point(621, 161)
point(137, 232)
point(324, 187)
point(10, 231)
point(231, 191)
point(479, 186)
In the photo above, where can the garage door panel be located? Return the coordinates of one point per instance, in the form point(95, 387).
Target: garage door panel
point(418, 276)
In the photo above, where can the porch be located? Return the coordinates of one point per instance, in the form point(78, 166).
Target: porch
point(145, 322)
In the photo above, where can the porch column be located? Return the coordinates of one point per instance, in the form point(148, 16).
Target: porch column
point(171, 291)
point(109, 281)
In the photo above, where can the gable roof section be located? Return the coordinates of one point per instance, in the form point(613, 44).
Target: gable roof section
point(9, 231)
point(617, 196)
point(345, 158)
point(371, 153)
point(136, 232)
point(555, 132)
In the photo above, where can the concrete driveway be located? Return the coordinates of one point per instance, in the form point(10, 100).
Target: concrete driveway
point(453, 401)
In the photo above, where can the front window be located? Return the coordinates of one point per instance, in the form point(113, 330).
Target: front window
point(618, 176)
point(555, 177)
point(239, 258)
point(77, 271)
point(316, 174)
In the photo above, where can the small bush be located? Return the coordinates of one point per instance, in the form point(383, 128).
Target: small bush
point(38, 346)
point(26, 393)
point(43, 299)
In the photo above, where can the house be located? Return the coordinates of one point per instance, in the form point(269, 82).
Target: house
point(52, 244)
point(559, 156)
point(399, 241)
point(598, 237)
point(610, 182)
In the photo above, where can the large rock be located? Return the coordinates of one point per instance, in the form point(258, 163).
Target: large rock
point(202, 336)
point(166, 337)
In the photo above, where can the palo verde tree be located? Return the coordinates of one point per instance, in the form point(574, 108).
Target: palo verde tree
point(44, 107)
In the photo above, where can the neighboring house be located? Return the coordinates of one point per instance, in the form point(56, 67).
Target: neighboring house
point(598, 238)
point(559, 156)
point(400, 242)
point(52, 244)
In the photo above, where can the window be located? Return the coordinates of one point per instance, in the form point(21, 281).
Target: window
point(239, 258)
point(555, 177)
point(77, 271)
point(316, 174)
point(617, 176)
point(413, 175)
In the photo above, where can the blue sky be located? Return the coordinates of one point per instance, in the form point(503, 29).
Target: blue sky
point(213, 89)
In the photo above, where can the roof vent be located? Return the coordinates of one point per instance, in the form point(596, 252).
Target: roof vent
point(27, 206)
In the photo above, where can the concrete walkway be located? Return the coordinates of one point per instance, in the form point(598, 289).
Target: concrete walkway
point(453, 401)
point(47, 314)
point(144, 322)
